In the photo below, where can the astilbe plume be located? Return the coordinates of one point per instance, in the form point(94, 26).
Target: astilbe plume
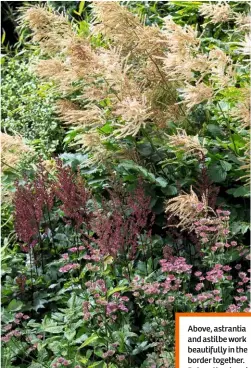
point(30, 201)
point(70, 190)
point(190, 145)
point(194, 95)
point(126, 30)
point(188, 208)
point(119, 225)
point(12, 147)
point(217, 13)
point(51, 30)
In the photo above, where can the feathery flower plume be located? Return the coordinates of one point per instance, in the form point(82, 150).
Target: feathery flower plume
point(243, 21)
point(182, 67)
point(194, 95)
point(135, 113)
point(92, 143)
point(189, 144)
point(52, 31)
point(245, 46)
point(221, 67)
point(241, 111)
point(72, 114)
point(179, 38)
point(12, 147)
point(125, 30)
point(218, 13)
point(188, 208)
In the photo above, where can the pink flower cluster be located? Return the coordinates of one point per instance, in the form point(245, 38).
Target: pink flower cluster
point(69, 267)
point(96, 286)
point(206, 298)
point(156, 290)
point(211, 228)
point(108, 353)
point(98, 290)
point(9, 335)
point(61, 362)
point(76, 249)
point(221, 245)
point(177, 265)
point(18, 319)
point(216, 274)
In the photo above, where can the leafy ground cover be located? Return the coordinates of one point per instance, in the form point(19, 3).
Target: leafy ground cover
point(125, 171)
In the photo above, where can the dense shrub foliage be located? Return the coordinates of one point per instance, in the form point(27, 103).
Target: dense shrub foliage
point(137, 205)
point(27, 107)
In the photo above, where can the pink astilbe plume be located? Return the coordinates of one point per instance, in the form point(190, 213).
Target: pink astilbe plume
point(70, 189)
point(120, 224)
point(30, 200)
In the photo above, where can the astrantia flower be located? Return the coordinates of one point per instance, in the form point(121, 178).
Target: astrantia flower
point(69, 267)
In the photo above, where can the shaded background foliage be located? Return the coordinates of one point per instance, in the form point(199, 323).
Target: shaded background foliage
point(28, 110)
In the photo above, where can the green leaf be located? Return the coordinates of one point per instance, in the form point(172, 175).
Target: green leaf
point(97, 364)
point(217, 173)
point(69, 334)
point(171, 190)
point(116, 289)
point(56, 329)
point(15, 305)
point(215, 130)
point(81, 7)
point(225, 165)
point(239, 192)
point(161, 181)
point(89, 341)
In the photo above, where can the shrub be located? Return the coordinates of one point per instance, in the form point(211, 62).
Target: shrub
point(27, 108)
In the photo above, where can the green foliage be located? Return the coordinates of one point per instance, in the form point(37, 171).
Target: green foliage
point(28, 106)
point(83, 302)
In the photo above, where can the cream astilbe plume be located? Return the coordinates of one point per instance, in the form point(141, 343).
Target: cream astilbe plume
point(245, 46)
point(189, 144)
point(194, 95)
point(243, 21)
point(72, 114)
point(92, 143)
point(182, 67)
point(52, 31)
point(56, 71)
point(51, 69)
point(188, 208)
point(179, 39)
point(222, 71)
point(241, 111)
point(126, 31)
point(12, 148)
point(116, 22)
point(218, 12)
point(135, 112)
point(82, 59)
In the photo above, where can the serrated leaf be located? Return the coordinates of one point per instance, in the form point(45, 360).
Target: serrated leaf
point(239, 192)
point(217, 173)
point(225, 165)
